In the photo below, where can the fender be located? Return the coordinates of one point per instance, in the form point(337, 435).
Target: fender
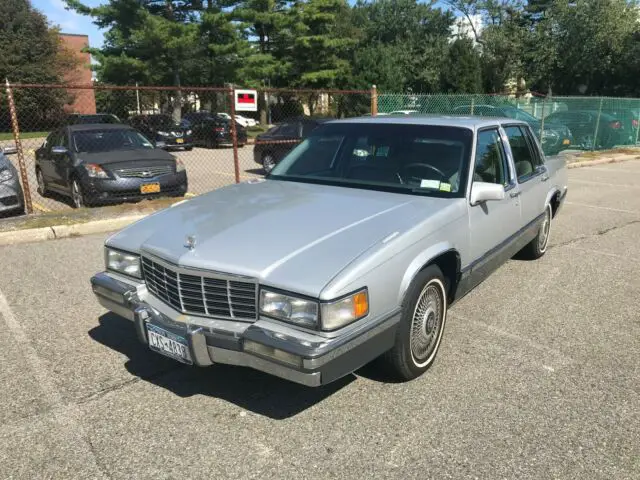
point(420, 262)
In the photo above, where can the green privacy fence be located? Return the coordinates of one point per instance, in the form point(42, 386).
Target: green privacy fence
point(586, 123)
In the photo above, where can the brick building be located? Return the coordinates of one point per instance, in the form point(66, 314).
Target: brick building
point(84, 101)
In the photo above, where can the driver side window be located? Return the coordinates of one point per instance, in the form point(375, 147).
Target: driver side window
point(490, 162)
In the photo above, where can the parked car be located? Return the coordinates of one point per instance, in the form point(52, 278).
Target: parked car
point(97, 164)
point(370, 230)
point(211, 130)
point(275, 143)
point(583, 124)
point(403, 112)
point(630, 118)
point(555, 136)
point(163, 130)
point(88, 119)
point(11, 196)
point(244, 121)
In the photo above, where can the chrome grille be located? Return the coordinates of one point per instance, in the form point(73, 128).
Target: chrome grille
point(210, 295)
point(144, 172)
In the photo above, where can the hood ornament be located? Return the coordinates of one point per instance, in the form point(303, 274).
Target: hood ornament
point(190, 242)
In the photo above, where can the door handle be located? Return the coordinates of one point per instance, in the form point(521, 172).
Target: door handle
point(545, 177)
point(514, 194)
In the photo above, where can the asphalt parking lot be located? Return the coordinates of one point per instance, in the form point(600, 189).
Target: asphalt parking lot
point(537, 376)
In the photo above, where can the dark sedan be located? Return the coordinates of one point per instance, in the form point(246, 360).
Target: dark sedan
point(611, 130)
point(97, 164)
point(554, 137)
point(11, 197)
point(211, 130)
point(91, 118)
point(275, 143)
point(163, 130)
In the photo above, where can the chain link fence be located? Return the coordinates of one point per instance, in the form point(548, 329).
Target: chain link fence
point(585, 123)
point(88, 146)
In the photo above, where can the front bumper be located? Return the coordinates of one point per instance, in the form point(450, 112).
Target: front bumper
point(11, 197)
point(115, 189)
point(311, 359)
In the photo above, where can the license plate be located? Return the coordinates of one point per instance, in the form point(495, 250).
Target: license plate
point(566, 142)
point(150, 188)
point(169, 344)
point(179, 140)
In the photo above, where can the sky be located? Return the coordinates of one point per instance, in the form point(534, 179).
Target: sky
point(69, 21)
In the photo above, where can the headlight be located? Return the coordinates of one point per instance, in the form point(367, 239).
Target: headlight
point(189, 132)
point(95, 171)
point(344, 311)
point(5, 174)
point(122, 262)
point(163, 134)
point(180, 165)
point(289, 308)
point(314, 314)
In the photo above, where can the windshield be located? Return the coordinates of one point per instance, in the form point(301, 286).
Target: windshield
point(162, 121)
point(416, 159)
point(92, 141)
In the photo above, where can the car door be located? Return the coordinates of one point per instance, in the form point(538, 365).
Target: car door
point(531, 172)
point(63, 163)
point(494, 225)
point(43, 155)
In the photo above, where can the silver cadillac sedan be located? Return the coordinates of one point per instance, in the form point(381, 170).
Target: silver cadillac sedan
point(354, 247)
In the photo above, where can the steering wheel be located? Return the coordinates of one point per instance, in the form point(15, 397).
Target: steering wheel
point(425, 165)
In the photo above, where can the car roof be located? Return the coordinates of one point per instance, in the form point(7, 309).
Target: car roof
point(471, 122)
point(98, 126)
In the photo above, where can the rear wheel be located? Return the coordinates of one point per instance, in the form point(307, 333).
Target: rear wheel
point(538, 246)
point(42, 185)
point(421, 327)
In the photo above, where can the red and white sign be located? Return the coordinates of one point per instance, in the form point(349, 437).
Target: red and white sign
point(246, 100)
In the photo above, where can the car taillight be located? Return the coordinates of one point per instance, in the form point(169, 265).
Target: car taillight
point(635, 123)
point(218, 129)
point(616, 125)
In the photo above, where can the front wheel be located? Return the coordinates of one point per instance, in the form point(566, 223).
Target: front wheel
point(538, 246)
point(77, 194)
point(268, 162)
point(419, 333)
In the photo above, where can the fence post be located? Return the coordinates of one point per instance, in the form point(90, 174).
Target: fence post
point(595, 135)
point(637, 127)
point(374, 100)
point(544, 103)
point(234, 134)
point(16, 137)
point(473, 104)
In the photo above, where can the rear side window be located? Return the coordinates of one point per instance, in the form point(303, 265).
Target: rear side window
point(288, 130)
point(524, 156)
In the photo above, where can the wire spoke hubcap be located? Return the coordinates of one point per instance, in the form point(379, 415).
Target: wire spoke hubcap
point(426, 323)
point(544, 231)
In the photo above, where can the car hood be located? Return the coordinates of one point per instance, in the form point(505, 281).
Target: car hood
point(153, 156)
point(286, 234)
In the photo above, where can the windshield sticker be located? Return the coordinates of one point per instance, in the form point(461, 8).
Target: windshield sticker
point(445, 187)
point(430, 184)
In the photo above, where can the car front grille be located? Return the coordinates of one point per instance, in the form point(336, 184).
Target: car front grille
point(201, 293)
point(144, 172)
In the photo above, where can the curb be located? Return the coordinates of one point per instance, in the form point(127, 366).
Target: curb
point(600, 161)
point(65, 231)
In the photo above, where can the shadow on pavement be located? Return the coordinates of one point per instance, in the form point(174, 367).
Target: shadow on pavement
point(255, 171)
point(250, 389)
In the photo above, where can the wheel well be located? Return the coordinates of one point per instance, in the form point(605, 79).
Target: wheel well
point(555, 203)
point(449, 264)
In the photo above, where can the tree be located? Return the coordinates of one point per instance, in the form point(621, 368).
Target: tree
point(32, 53)
point(462, 72)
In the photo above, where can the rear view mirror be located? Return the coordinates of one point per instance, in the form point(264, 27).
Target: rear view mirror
point(59, 150)
point(9, 150)
point(483, 192)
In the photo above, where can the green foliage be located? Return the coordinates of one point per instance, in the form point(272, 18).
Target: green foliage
point(462, 72)
point(32, 53)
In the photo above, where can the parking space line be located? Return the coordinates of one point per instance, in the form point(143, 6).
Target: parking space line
point(189, 194)
point(69, 417)
point(614, 170)
point(616, 185)
point(37, 206)
point(598, 207)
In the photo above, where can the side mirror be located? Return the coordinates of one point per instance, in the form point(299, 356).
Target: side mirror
point(59, 150)
point(482, 192)
point(9, 150)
